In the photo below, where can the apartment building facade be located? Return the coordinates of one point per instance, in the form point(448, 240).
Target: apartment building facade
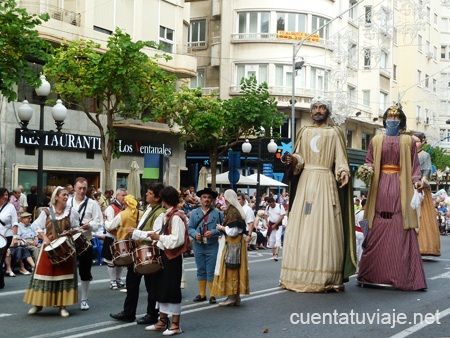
point(163, 21)
point(367, 56)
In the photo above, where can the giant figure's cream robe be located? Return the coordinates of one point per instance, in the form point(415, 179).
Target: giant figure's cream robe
point(313, 249)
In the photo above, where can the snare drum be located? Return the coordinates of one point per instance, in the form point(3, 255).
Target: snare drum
point(147, 260)
point(60, 250)
point(122, 252)
point(81, 243)
point(2, 241)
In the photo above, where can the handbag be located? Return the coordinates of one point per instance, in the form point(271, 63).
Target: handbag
point(233, 255)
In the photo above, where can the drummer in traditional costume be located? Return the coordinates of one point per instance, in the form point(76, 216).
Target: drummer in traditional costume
point(428, 233)
point(111, 211)
point(391, 256)
point(151, 221)
point(128, 218)
point(173, 240)
point(54, 284)
point(319, 242)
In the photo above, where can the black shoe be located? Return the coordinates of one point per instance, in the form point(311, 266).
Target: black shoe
point(122, 317)
point(199, 299)
point(148, 319)
point(212, 300)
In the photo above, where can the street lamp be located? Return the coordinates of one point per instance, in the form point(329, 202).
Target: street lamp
point(59, 113)
point(298, 65)
point(247, 148)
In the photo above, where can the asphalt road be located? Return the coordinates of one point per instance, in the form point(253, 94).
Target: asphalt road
point(267, 312)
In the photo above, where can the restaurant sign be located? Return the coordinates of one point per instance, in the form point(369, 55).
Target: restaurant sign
point(77, 142)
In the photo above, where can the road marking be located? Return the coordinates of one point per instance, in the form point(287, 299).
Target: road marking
point(97, 281)
point(421, 325)
point(75, 329)
point(249, 262)
point(97, 328)
point(5, 314)
point(442, 275)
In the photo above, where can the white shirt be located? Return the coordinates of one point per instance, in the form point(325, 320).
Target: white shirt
point(176, 237)
point(140, 235)
point(9, 217)
point(232, 232)
point(249, 217)
point(23, 202)
point(274, 214)
point(92, 215)
point(109, 213)
point(359, 215)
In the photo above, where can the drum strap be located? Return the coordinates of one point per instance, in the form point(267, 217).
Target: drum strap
point(82, 209)
point(3, 207)
point(55, 222)
point(205, 217)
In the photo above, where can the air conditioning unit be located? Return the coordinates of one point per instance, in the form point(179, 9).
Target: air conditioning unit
point(429, 55)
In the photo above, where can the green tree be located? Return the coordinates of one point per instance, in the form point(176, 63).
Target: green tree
point(439, 157)
point(123, 82)
point(216, 125)
point(19, 43)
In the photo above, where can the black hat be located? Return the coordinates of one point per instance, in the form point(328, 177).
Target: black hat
point(207, 191)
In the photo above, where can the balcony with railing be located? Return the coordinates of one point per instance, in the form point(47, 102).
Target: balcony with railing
point(55, 12)
point(264, 37)
point(209, 91)
point(191, 46)
point(285, 91)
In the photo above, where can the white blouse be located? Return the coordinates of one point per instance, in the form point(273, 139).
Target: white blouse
point(39, 224)
point(176, 238)
point(140, 235)
point(9, 217)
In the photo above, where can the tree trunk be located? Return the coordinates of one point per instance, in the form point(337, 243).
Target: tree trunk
point(108, 175)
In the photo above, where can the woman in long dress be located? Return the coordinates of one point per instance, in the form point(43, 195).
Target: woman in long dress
point(428, 236)
point(54, 284)
point(391, 256)
point(232, 282)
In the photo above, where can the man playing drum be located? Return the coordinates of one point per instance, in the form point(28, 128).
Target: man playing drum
point(91, 220)
point(112, 211)
point(150, 221)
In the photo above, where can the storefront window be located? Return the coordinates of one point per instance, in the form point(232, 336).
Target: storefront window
point(28, 177)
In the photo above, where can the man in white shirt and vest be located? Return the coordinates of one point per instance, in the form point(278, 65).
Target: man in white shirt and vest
point(91, 220)
point(110, 212)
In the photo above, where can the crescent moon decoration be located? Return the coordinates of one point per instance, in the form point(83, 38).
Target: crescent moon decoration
point(313, 144)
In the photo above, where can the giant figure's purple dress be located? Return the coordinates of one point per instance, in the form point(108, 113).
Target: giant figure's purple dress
point(392, 256)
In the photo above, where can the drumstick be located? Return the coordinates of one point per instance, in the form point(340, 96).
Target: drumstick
point(86, 221)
